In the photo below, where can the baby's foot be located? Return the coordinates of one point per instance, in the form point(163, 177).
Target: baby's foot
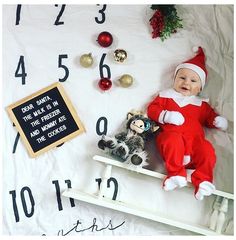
point(173, 182)
point(205, 188)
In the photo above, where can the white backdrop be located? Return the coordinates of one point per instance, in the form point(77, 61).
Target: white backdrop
point(151, 62)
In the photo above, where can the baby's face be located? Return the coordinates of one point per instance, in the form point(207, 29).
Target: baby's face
point(187, 82)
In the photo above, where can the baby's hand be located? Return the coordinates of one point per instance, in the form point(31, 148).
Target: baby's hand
point(173, 117)
point(221, 123)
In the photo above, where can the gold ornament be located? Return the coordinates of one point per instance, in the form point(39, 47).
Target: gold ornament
point(120, 55)
point(86, 60)
point(126, 80)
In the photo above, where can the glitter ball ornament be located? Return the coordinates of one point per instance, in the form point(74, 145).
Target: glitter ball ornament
point(126, 80)
point(86, 60)
point(120, 55)
point(105, 84)
point(105, 39)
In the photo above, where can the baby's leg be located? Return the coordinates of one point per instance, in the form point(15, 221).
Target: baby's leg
point(171, 147)
point(204, 160)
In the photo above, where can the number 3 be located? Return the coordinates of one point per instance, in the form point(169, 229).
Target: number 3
point(102, 14)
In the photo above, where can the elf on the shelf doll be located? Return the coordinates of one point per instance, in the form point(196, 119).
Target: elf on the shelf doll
point(182, 114)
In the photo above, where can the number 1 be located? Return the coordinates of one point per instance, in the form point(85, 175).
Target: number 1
point(18, 11)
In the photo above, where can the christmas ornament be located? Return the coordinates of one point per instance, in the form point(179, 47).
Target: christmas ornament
point(126, 80)
point(86, 60)
point(105, 39)
point(120, 55)
point(164, 21)
point(105, 84)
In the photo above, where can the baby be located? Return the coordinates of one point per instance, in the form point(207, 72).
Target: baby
point(182, 114)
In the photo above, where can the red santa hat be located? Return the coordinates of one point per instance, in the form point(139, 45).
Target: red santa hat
point(197, 64)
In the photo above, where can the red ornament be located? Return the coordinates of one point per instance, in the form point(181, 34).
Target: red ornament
point(105, 83)
point(105, 39)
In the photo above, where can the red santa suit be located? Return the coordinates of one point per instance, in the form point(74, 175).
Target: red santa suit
point(174, 142)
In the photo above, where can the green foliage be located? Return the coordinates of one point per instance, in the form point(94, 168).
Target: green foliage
point(171, 20)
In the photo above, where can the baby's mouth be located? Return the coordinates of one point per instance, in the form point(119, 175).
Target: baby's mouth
point(184, 88)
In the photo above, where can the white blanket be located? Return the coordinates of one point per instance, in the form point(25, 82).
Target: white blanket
point(32, 204)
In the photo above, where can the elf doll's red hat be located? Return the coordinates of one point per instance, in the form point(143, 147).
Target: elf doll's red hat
point(197, 64)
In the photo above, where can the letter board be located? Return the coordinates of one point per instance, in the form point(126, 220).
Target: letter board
point(45, 119)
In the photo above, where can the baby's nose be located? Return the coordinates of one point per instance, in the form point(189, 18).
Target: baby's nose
point(187, 81)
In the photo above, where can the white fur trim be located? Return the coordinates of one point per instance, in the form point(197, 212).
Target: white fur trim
point(143, 155)
point(195, 49)
point(196, 69)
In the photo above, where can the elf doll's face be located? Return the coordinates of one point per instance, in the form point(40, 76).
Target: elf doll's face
point(187, 82)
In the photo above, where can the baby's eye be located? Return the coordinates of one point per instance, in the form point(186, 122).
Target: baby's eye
point(182, 78)
point(193, 80)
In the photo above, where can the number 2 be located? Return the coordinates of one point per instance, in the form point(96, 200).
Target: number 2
point(57, 22)
point(112, 179)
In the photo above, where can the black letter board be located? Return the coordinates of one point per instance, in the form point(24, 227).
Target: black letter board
point(45, 119)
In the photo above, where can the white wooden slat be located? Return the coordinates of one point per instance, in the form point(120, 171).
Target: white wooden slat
point(133, 210)
point(149, 173)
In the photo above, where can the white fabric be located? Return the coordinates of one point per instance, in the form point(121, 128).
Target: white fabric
point(221, 123)
point(187, 159)
point(174, 182)
point(173, 117)
point(182, 100)
point(205, 189)
point(151, 62)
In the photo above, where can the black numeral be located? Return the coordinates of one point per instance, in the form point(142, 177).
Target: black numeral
point(16, 142)
point(22, 195)
point(99, 180)
point(103, 16)
point(115, 186)
point(58, 194)
point(57, 22)
point(15, 208)
point(98, 126)
point(102, 66)
point(72, 201)
point(18, 11)
point(60, 65)
point(21, 67)
point(24, 205)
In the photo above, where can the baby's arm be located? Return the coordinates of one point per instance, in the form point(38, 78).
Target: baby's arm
point(213, 120)
point(155, 108)
point(157, 112)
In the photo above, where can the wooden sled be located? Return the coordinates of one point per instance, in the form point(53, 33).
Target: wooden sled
point(216, 222)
